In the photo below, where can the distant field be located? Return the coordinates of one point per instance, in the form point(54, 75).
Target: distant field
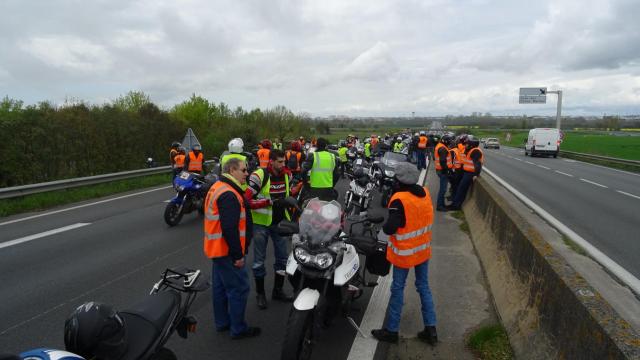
point(624, 147)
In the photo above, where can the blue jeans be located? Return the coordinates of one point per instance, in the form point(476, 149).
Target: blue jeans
point(422, 160)
point(230, 292)
point(396, 300)
point(261, 235)
point(463, 187)
point(444, 181)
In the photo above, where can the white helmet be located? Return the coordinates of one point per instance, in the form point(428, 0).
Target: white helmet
point(423, 132)
point(399, 138)
point(236, 145)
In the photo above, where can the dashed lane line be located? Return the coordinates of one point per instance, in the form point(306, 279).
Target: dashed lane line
point(594, 183)
point(529, 162)
point(626, 193)
point(544, 167)
point(563, 173)
point(41, 235)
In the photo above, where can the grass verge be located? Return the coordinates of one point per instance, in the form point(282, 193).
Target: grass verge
point(491, 342)
point(464, 226)
point(573, 246)
point(50, 199)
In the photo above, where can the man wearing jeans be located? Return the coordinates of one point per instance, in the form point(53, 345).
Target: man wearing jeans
point(408, 235)
point(443, 164)
point(227, 226)
point(266, 193)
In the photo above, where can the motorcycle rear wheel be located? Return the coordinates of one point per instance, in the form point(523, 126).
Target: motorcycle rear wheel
point(172, 214)
point(298, 338)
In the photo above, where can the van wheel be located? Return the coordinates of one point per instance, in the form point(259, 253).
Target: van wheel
point(555, 155)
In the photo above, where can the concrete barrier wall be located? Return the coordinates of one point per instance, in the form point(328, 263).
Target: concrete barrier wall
point(548, 309)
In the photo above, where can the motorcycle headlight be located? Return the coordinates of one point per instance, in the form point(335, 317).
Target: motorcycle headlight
point(181, 188)
point(389, 173)
point(359, 191)
point(302, 256)
point(323, 260)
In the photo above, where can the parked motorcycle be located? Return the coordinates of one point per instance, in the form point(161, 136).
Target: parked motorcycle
point(358, 196)
point(97, 331)
point(324, 267)
point(191, 193)
point(387, 166)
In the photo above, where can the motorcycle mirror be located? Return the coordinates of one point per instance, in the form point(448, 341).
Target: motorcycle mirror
point(376, 219)
point(287, 228)
point(216, 159)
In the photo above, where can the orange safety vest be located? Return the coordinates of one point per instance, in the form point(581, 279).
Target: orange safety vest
point(411, 244)
point(468, 163)
point(214, 244)
point(179, 160)
point(437, 157)
point(195, 162)
point(455, 158)
point(298, 155)
point(422, 144)
point(461, 148)
point(263, 155)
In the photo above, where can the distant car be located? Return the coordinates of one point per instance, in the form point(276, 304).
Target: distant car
point(483, 140)
point(492, 143)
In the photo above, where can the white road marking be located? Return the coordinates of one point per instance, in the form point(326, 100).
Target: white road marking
point(81, 206)
point(568, 160)
point(518, 159)
point(626, 193)
point(560, 172)
point(529, 162)
point(594, 183)
point(544, 167)
point(41, 235)
point(166, 201)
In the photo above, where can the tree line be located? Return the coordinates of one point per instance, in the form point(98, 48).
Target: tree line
point(44, 142)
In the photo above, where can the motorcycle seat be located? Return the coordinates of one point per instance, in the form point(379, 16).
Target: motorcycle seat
point(146, 320)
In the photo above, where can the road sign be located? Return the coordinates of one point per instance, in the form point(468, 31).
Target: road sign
point(533, 95)
point(190, 140)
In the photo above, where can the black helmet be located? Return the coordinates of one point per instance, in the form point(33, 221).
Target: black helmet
point(175, 144)
point(472, 143)
point(446, 138)
point(95, 330)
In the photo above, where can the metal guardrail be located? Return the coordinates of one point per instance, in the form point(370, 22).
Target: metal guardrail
point(600, 157)
point(622, 274)
point(16, 191)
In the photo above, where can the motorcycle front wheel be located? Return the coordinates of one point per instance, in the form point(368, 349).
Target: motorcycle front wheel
point(298, 338)
point(172, 214)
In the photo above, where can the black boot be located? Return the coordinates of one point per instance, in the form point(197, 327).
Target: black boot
point(429, 335)
point(261, 298)
point(385, 335)
point(278, 293)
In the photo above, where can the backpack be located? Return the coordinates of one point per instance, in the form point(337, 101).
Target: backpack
point(292, 160)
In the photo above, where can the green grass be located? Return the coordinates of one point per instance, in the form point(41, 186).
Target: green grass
point(573, 246)
point(61, 197)
point(623, 147)
point(464, 226)
point(491, 343)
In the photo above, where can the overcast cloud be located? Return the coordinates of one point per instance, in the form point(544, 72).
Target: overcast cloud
point(376, 57)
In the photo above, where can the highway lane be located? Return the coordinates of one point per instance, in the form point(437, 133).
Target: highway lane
point(116, 259)
point(598, 203)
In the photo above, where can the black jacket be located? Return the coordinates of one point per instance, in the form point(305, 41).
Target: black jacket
point(230, 218)
point(396, 217)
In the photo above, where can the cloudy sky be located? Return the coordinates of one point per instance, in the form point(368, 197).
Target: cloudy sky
point(326, 57)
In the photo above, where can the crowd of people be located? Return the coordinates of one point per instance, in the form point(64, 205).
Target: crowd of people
point(248, 202)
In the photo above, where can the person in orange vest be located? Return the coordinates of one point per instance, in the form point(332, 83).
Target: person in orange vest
point(472, 166)
point(263, 153)
point(173, 152)
point(443, 164)
point(408, 236)
point(179, 161)
point(422, 150)
point(294, 159)
point(457, 160)
point(195, 159)
point(227, 228)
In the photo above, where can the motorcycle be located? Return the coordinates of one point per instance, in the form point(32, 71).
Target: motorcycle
point(191, 193)
point(358, 195)
point(387, 165)
point(146, 327)
point(324, 268)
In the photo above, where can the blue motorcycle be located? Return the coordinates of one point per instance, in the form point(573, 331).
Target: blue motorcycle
point(191, 193)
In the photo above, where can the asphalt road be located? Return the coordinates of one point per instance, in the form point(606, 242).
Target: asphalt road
point(113, 253)
point(600, 204)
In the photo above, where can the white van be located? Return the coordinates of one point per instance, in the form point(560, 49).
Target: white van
point(542, 142)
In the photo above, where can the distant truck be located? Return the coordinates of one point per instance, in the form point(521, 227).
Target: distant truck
point(543, 141)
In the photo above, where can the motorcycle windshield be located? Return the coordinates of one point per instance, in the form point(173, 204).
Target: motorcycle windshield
point(391, 159)
point(320, 221)
point(183, 179)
